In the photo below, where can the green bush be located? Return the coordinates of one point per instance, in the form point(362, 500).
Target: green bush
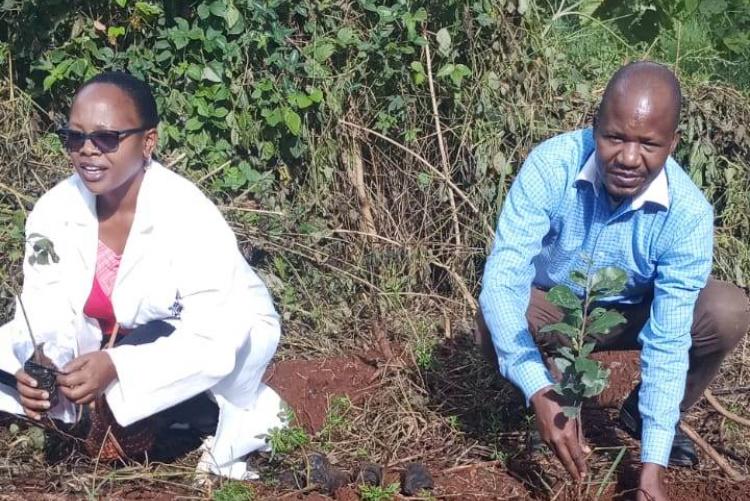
point(341, 222)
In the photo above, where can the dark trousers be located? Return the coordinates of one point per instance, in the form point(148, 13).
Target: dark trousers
point(720, 319)
point(199, 412)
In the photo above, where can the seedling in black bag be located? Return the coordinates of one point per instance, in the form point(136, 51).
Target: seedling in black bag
point(39, 366)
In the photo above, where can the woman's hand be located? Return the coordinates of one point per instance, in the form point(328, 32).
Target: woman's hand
point(35, 402)
point(87, 376)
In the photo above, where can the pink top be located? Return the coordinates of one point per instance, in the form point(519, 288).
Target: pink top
point(99, 303)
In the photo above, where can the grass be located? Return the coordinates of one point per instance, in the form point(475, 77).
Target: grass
point(234, 491)
point(378, 493)
point(287, 439)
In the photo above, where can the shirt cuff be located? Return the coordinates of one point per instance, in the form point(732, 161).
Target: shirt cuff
point(530, 376)
point(656, 446)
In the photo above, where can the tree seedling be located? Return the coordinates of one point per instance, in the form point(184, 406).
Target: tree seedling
point(582, 377)
point(39, 366)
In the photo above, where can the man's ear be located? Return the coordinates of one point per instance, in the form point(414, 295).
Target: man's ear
point(675, 140)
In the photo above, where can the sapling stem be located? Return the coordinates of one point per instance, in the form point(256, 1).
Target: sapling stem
point(35, 354)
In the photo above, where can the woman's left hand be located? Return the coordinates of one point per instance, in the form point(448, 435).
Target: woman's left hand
point(87, 376)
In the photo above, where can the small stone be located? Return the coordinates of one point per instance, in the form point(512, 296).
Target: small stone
point(290, 479)
point(370, 474)
point(337, 478)
point(321, 473)
point(318, 466)
point(415, 478)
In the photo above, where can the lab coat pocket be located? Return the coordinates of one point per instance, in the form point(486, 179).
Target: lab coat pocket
point(161, 302)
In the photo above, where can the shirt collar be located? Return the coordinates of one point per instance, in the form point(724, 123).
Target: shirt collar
point(656, 192)
point(83, 211)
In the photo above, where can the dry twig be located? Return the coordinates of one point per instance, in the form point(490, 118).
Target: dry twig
point(441, 143)
point(723, 411)
point(712, 453)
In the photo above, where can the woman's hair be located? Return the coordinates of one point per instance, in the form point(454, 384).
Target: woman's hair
point(137, 89)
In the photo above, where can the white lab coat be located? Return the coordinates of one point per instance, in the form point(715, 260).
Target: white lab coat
point(180, 253)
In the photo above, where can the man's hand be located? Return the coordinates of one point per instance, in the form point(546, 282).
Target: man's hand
point(34, 401)
point(87, 377)
point(651, 485)
point(559, 432)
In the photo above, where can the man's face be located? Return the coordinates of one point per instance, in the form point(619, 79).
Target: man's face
point(634, 136)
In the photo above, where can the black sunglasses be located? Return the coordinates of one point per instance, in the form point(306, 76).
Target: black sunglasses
point(106, 141)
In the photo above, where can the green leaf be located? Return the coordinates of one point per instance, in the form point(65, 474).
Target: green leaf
point(562, 328)
point(562, 296)
point(587, 349)
point(346, 36)
point(148, 10)
point(323, 51)
point(194, 72)
point(300, 100)
point(605, 323)
point(115, 31)
point(566, 352)
point(562, 363)
point(315, 95)
point(232, 16)
point(210, 74)
point(218, 8)
point(293, 121)
point(459, 72)
point(597, 312)
point(121, 3)
point(609, 280)
point(590, 6)
point(203, 11)
point(273, 117)
point(444, 41)
point(571, 411)
point(586, 365)
point(446, 71)
point(193, 123)
point(579, 278)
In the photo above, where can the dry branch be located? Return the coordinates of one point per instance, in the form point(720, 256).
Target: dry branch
point(733, 474)
point(352, 160)
point(433, 169)
point(723, 411)
point(441, 143)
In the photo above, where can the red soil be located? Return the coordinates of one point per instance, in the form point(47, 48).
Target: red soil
point(309, 385)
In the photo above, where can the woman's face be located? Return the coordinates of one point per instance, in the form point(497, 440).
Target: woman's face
point(105, 107)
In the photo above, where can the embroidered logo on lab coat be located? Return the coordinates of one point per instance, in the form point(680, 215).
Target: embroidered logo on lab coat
point(176, 308)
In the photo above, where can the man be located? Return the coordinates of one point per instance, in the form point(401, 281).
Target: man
point(615, 196)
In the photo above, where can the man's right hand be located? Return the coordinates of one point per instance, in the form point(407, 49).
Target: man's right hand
point(559, 432)
point(35, 402)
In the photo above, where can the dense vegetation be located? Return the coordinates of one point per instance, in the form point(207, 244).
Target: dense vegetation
point(274, 107)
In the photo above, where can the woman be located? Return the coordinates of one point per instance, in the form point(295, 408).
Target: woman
point(147, 257)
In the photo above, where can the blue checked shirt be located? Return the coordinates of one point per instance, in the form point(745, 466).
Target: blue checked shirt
point(555, 215)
